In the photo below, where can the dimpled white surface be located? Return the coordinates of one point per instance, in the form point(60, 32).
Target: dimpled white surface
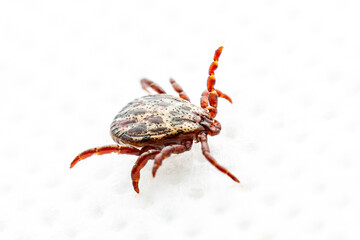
point(291, 136)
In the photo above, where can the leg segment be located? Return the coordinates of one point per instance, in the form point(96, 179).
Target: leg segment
point(179, 89)
point(146, 83)
point(204, 100)
point(211, 93)
point(167, 151)
point(213, 67)
point(105, 150)
point(206, 152)
point(223, 95)
point(140, 163)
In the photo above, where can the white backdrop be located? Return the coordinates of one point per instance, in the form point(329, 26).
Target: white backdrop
point(292, 135)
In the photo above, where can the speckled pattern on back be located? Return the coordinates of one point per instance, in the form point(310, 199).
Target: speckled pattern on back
point(154, 117)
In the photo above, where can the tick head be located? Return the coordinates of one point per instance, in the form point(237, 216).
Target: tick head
point(212, 126)
point(215, 128)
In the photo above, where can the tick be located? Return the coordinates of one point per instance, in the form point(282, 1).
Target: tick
point(155, 126)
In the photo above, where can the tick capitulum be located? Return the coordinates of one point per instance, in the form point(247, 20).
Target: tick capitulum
point(156, 126)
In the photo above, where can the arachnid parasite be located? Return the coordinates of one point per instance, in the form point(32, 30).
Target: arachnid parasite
point(156, 126)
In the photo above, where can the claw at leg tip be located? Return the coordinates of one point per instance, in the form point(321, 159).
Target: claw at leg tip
point(136, 187)
point(228, 98)
point(236, 180)
point(72, 165)
point(154, 172)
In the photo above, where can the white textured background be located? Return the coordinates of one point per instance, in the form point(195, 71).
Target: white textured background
point(292, 135)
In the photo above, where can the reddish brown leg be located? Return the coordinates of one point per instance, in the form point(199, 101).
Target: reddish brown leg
point(140, 163)
point(105, 150)
point(206, 152)
point(146, 83)
point(211, 93)
point(179, 89)
point(204, 100)
point(167, 151)
point(223, 95)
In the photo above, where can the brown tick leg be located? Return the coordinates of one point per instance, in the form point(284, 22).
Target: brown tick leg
point(204, 100)
point(140, 163)
point(105, 150)
point(167, 151)
point(179, 90)
point(223, 95)
point(204, 103)
point(146, 83)
point(212, 93)
point(206, 152)
point(213, 66)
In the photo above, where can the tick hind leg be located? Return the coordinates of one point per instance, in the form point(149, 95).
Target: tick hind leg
point(146, 83)
point(105, 150)
point(206, 152)
point(167, 151)
point(179, 90)
point(140, 163)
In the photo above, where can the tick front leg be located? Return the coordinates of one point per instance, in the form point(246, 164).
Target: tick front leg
point(105, 150)
point(206, 152)
point(146, 83)
point(179, 90)
point(210, 96)
point(140, 163)
point(167, 151)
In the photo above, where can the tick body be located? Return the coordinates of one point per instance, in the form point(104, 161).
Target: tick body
point(155, 126)
point(158, 120)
